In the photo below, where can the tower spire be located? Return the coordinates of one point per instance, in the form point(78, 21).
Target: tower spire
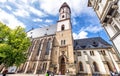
point(64, 12)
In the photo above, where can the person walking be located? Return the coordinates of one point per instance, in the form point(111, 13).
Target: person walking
point(47, 73)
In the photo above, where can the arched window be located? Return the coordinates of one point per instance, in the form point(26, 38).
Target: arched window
point(95, 67)
point(81, 66)
point(39, 47)
point(64, 42)
point(48, 46)
point(61, 42)
point(45, 66)
point(92, 53)
point(62, 27)
point(109, 66)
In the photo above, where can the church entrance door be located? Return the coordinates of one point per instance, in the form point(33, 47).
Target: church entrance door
point(62, 66)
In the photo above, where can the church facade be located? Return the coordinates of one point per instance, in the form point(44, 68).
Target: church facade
point(54, 49)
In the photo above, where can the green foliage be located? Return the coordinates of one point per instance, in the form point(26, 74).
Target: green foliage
point(13, 45)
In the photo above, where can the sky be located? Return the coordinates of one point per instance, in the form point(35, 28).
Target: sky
point(40, 13)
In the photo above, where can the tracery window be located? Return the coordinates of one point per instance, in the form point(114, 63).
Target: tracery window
point(81, 66)
point(48, 47)
point(62, 27)
point(95, 67)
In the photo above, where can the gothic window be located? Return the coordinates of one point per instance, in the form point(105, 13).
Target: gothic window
point(92, 53)
point(48, 47)
point(63, 42)
point(39, 47)
point(116, 28)
point(45, 66)
point(95, 67)
point(34, 64)
point(79, 53)
point(62, 27)
point(63, 16)
point(81, 66)
point(103, 52)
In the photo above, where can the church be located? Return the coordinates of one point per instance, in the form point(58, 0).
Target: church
point(54, 49)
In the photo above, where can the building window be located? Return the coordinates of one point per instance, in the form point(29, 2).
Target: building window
point(48, 47)
point(63, 27)
point(63, 42)
point(81, 66)
point(34, 64)
point(116, 28)
point(79, 54)
point(63, 16)
point(39, 47)
point(92, 53)
point(95, 67)
point(97, 8)
point(103, 52)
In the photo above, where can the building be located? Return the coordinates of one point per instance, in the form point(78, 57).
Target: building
point(108, 12)
point(54, 49)
point(94, 56)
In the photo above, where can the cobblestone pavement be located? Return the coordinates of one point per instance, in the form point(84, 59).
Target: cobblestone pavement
point(28, 75)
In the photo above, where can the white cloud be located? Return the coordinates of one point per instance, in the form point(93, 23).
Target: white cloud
point(8, 7)
point(21, 13)
point(74, 21)
point(83, 32)
point(36, 11)
point(92, 28)
point(10, 20)
point(2, 1)
point(37, 20)
point(80, 35)
point(52, 7)
point(48, 21)
point(24, 8)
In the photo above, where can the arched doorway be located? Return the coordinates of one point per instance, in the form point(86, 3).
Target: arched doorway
point(62, 66)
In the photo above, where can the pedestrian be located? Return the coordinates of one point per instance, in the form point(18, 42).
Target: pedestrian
point(47, 73)
point(5, 72)
point(112, 73)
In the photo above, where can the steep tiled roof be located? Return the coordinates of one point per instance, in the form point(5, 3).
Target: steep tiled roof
point(39, 32)
point(64, 5)
point(88, 43)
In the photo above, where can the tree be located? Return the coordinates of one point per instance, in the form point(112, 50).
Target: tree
point(13, 46)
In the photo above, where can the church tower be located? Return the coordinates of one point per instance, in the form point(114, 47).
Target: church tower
point(64, 42)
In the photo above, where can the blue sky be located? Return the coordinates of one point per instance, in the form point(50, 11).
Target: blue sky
point(39, 13)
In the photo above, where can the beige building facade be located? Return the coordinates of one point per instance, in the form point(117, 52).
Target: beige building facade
point(108, 12)
point(53, 49)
